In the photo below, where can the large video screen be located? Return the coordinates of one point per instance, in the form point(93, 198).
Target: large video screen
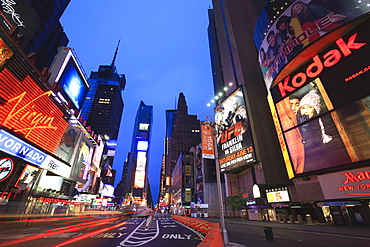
point(234, 139)
point(326, 120)
point(72, 83)
point(284, 30)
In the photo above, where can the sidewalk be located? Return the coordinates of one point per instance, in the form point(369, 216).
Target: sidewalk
point(358, 231)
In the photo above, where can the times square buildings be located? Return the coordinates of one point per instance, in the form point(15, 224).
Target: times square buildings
point(299, 85)
point(50, 162)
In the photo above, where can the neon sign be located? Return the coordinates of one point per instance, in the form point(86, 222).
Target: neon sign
point(36, 120)
point(30, 112)
point(313, 70)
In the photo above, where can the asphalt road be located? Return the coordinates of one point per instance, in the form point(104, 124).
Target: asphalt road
point(106, 231)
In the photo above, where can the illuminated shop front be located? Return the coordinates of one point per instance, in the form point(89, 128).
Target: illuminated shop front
point(319, 97)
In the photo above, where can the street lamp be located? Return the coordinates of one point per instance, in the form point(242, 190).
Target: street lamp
point(218, 179)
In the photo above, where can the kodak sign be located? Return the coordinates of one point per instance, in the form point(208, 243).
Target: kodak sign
point(319, 64)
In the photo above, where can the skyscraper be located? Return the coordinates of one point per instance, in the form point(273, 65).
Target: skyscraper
point(137, 168)
point(103, 106)
point(235, 66)
point(184, 135)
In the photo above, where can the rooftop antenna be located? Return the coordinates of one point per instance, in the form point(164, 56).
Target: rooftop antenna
point(115, 54)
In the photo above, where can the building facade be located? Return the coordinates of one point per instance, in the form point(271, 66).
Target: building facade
point(136, 178)
point(247, 142)
point(317, 83)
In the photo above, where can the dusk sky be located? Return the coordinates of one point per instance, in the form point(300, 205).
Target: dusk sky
point(163, 51)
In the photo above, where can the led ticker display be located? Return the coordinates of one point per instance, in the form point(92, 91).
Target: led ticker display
point(234, 138)
point(29, 111)
point(324, 117)
point(142, 145)
point(300, 24)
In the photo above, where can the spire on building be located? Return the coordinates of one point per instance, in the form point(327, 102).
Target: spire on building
point(115, 54)
point(182, 108)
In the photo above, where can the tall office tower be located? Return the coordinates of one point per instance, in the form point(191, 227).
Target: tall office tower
point(185, 133)
point(170, 125)
point(103, 106)
point(49, 35)
point(250, 154)
point(136, 179)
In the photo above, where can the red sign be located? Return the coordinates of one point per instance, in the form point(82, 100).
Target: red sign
point(331, 58)
point(208, 149)
point(54, 200)
point(29, 111)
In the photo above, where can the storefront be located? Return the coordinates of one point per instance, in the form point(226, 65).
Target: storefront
point(349, 195)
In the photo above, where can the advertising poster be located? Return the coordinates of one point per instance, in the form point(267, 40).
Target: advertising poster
point(234, 139)
point(299, 25)
point(325, 120)
point(27, 177)
point(207, 142)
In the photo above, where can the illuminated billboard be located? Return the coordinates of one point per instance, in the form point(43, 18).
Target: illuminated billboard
point(277, 196)
point(28, 110)
point(323, 108)
point(234, 139)
point(68, 74)
point(141, 161)
point(139, 179)
point(282, 32)
point(142, 145)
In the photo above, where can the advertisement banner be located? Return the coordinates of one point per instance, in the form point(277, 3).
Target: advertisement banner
point(300, 24)
point(325, 115)
point(234, 138)
point(208, 151)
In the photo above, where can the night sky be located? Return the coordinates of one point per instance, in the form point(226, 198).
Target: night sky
point(163, 51)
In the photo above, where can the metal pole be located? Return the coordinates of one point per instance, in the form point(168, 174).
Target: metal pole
point(219, 190)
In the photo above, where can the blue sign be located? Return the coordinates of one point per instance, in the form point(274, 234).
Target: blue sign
point(14, 146)
point(73, 84)
point(112, 144)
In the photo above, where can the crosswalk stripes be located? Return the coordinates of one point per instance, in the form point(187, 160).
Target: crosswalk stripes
point(142, 235)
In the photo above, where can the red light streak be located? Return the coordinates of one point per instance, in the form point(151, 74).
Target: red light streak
point(69, 229)
point(81, 237)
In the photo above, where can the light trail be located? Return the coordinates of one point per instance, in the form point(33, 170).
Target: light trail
point(59, 231)
point(84, 236)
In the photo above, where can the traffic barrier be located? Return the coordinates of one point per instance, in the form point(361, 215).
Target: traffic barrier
point(213, 236)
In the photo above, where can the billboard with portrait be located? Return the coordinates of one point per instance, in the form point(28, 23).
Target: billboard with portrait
point(234, 139)
point(284, 31)
point(324, 116)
